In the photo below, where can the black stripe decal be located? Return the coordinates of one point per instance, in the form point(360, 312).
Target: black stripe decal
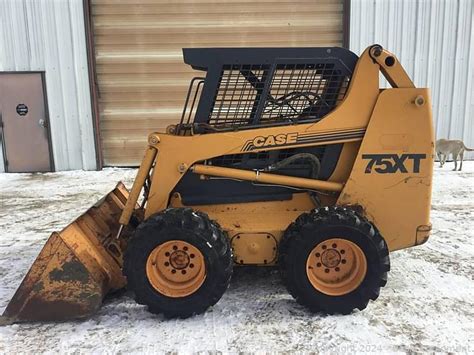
point(331, 137)
point(334, 133)
point(312, 138)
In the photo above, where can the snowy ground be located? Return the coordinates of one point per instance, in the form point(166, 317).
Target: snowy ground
point(427, 305)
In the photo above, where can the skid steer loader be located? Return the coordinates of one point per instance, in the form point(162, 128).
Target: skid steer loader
point(283, 156)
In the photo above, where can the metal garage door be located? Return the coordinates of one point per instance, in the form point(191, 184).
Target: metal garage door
point(141, 78)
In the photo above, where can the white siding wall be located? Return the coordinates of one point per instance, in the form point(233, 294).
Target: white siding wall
point(49, 35)
point(434, 40)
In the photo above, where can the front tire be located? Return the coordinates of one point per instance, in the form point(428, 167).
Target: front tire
point(178, 263)
point(333, 260)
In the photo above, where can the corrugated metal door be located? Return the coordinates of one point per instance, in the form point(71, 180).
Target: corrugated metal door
point(141, 77)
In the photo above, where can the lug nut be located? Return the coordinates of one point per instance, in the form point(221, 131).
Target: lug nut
point(167, 264)
point(337, 269)
point(185, 248)
point(318, 264)
point(342, 251)
point(334, 245)
point(183, 272)
point(191, 265)
point(318, 255)
point(191, 256)
point(173, 271)
point(175, 247)
point(167, 254)
point(326, 270)
point(343, 261)
point(324, 247)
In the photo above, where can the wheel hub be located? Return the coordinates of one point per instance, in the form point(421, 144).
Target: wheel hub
point(176, 268)
point(179, 259)
point(331, 258)
point(336, 266)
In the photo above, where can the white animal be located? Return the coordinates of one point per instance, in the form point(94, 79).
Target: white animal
point(445, 147)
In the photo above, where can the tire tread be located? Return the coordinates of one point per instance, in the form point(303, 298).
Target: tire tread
point(336, 216)
point(153, 229)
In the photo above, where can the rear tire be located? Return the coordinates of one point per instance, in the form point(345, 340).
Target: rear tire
point(317, 232)
point(186, 231)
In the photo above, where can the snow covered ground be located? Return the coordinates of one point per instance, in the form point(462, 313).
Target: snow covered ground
point(427, 305)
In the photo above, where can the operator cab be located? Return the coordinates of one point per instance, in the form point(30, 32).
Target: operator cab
point(251, 88)
point(248, 88)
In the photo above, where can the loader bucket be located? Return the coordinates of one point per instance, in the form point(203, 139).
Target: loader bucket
point(76, 268)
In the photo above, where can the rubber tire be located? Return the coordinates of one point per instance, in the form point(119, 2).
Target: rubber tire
point(195, 228)
point(321, 224)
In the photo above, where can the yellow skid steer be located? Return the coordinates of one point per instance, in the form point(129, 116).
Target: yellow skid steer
point(288, 157)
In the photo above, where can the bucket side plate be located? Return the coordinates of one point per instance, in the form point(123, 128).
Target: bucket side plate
point(76, 268)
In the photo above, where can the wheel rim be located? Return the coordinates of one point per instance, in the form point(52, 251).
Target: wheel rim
point(176, 268)
point(336, 267)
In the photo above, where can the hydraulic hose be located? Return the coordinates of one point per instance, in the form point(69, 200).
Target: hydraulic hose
point(311, 158)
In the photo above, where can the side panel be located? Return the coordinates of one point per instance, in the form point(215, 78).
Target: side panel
point(392, 175)
point(255, 228)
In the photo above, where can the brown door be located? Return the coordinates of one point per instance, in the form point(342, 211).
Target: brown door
point(24, 125)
